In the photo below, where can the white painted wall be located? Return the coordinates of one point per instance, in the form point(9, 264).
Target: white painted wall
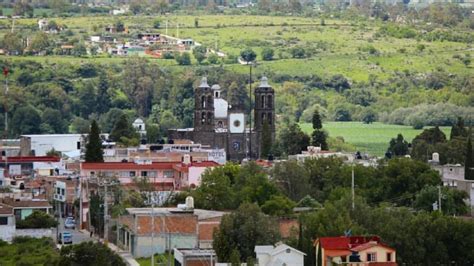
point(41, 144)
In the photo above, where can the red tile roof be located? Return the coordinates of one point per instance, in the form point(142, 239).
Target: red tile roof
point(126, 166)
point(345, 243)
point(31, 159)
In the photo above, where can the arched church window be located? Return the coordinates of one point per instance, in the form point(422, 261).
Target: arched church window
point(270, 119)
point(209, 118)
point(269, 101)
point(203, 118)
point(262, 101)
point(263, 118)
point(203, 101)
point(209, 100)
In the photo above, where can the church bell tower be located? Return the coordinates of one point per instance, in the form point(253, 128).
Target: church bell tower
point(203, 108)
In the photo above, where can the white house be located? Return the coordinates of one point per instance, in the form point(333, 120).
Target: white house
point(7, 223)
point(281, 255)
point(139, 125)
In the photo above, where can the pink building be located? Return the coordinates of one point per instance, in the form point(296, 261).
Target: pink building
point(164, 175)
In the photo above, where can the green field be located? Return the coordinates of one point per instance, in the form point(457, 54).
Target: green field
point(338, 46)
point(369, 138)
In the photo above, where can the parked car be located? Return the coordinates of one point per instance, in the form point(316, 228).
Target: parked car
point(70, 223)
point(65, 238)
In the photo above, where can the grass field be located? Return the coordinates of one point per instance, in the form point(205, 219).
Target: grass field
point(369, 138)
point(338, 46)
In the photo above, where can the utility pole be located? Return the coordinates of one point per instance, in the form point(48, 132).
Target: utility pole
point(5, 107)
point(439, 198)
point(152, 233)
point(250, 112)
point(353, 187)
point(106, 217)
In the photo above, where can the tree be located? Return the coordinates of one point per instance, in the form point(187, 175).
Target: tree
point(152, 133)
point(53, 153)
point(199, 53)
point(37, 219)
point(316, 120)
point(94, 152)
point(40, 42)
point(342, 114)
point(265, 6)
point(298, 52)
point(293, 140)
point(79, 50)
point(248, 55)
point(103, 98)
point(136, 6)
point(369, 116)
point(54, 119)
point(266, 143)
point(452, 200)
point(267, 54)
point(123, 130)
point(278, 206)
point(292, 179)
point(26, 120)
point(458, 129)
point(119, 26)
point(213, 59)
point(22, 8)
point(13, 43)
point(242, 230)
point(157, 24)
point(319, 136)
point(80, 125)
point(215, 190)
point(196, 22)
point(183, 59)
point(89, 253)
point(469, 164)
point(398, 146)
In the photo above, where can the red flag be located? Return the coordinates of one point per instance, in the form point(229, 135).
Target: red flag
point(5, 71)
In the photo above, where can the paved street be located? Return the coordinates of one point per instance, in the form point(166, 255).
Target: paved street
point(77, 236)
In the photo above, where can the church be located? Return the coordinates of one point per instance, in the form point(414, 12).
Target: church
point(220, 125)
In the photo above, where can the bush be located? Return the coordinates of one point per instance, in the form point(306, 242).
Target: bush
point(37, 219)
point(267, 54)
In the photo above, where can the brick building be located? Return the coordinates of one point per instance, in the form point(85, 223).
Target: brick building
point(172, 228)
point(221, 125)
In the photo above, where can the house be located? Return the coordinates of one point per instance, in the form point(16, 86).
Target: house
point(452, 176)
point(179, 228)
point(194, 257)
point(139, 126)
point(355, 250)
point(23, 208)
point(163, 175)
point(7, 223)
point(280, 255)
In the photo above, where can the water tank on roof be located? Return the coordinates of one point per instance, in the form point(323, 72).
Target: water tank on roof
point(189, 203)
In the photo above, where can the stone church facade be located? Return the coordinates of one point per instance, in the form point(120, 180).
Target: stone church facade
point(219, 125)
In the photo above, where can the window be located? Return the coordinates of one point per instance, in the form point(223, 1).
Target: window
point(203, 118)
point(262, 101)
point(269, 119)
point(168, 174)
point(263, 118)
point(3, 220)
point(203, 101)
point(144, 173)
point(78, 144)
point(58, 191)
point(209, 118)
point(269, 101)
point(132, 174)
point(389, 256)
point(371, 256)
point(63, 191)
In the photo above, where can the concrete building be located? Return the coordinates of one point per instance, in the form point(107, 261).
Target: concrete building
point(172, 228)
point(452, 176)
point(7, 223)
point(23, 208)
point(353, 250)
point(39, 145)
point(280, 255)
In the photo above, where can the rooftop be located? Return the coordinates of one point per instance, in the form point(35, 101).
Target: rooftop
point(201, 214)
point(344, 242)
